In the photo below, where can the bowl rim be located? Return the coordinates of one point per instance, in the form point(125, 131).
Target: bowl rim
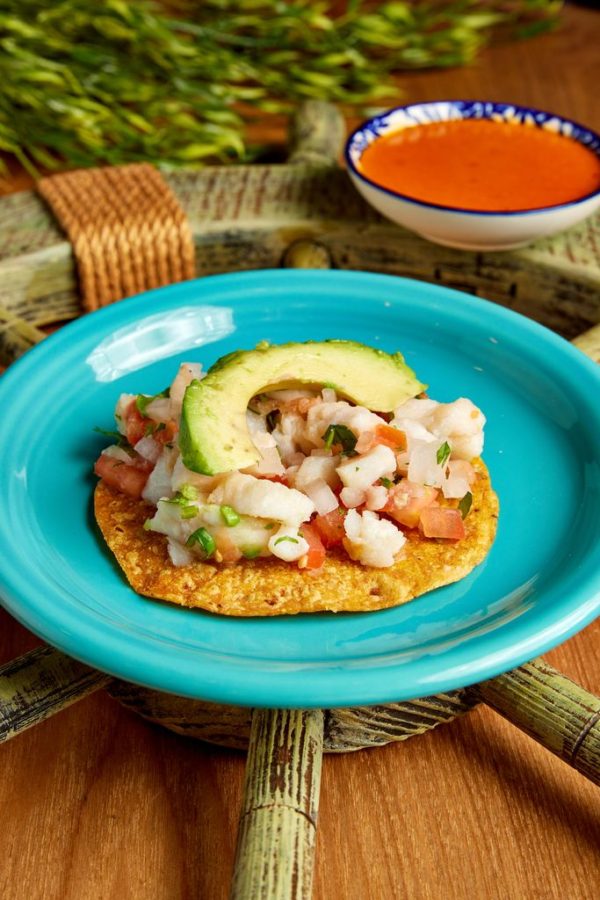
point(488, 106)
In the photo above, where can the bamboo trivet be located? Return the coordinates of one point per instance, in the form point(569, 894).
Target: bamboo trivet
point(278, 818)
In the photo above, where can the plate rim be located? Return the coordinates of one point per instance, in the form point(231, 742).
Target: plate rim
point(337, 692)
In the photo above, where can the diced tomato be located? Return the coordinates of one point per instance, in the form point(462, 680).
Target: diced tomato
point(316, 550)
point(138, 426)
point(128, 479)
point(383, 434)
point(165, 435)
point(406, 501)
point(331, 527)
point(442, 523)
point(135, 424)
point(390, 437)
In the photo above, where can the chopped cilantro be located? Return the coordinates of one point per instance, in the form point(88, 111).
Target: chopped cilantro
point(286, 537)
point(186, 509)
point(386, 482)
point(251, 552)
point(443, 453)
point(465, 504)
point(204, 538)
point(153, 427)
point(339, 434)
point(270, 526)
point(119, 439)
point(230, 516)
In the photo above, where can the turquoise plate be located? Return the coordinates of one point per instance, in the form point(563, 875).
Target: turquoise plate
point(539, 585)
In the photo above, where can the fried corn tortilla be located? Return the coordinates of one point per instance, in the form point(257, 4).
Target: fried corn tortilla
point(270, 587)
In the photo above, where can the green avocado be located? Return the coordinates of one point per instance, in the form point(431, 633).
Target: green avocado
point(213, 435)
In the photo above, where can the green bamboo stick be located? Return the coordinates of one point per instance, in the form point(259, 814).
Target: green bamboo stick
point(278, 821)
point(40, 684)
point(316, 134)
point(16, 336)
point(548, 706)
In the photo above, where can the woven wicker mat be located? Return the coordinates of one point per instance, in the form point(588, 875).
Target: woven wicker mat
point(127, 229)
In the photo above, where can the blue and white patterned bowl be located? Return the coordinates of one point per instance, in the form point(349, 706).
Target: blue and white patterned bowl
point(463, 228)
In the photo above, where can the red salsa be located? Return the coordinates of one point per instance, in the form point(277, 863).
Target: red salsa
point(480, 164)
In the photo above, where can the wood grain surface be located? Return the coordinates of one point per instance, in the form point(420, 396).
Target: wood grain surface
point(96, 804)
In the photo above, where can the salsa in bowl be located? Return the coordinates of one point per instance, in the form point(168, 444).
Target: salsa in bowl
point(477, 175)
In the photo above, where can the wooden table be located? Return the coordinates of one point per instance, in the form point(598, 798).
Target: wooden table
point(96, 804)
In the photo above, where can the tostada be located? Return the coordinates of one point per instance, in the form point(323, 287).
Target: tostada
point(292, 479)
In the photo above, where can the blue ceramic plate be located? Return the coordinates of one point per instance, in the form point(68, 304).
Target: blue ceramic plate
point(539, 584)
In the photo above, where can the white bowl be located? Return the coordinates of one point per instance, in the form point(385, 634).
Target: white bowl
point(464, 228)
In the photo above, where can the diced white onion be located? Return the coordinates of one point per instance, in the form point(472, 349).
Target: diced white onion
point(365, 441)
point(123, 404)
point(160, 409)
point(317, 468)
point(269, 463)
point(402, 461)
point(148, 448)
point(328, 395)
point(376, 497)
point(159, 482)
point(289, 436)
point(352, 497)
point(362, 471)
point(187, 373)
point(459, 478)
point(322, 496)
point(423, 467)
point(415, 432)
point(256, 423)
point(167, 520)
point(180, 555)
point(118, 453)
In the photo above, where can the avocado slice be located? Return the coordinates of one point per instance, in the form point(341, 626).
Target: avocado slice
point(213, 435)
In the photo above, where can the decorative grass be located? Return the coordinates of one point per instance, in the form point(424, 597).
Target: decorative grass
point(83, 83)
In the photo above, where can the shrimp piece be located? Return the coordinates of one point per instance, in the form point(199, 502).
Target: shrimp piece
point(262, 498)
point(370, 540)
